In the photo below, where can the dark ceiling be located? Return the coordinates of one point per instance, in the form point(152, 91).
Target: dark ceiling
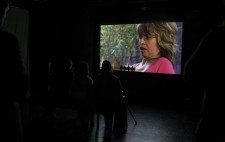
point(184, 6)
point(187, 3)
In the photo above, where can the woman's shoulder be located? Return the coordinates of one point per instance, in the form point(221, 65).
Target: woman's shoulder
point(164, 65)
point(163, 60)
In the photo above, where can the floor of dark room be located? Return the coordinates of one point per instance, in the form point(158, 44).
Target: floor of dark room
point(154, 124)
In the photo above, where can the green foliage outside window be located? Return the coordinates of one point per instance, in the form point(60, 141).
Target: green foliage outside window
point(118, 41)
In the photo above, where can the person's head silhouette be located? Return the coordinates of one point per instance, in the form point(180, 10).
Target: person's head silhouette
point(106, 66)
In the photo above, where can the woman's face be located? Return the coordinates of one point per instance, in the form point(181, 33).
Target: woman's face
point(149, 47)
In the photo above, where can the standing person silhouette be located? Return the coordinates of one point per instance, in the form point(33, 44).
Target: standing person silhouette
point(108, 93)
point(198, 74)
point(13, 82)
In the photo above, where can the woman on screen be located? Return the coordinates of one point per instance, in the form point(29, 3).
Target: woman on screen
point(157, 42)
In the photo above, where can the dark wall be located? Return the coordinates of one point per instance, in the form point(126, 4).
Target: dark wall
point(72, 30)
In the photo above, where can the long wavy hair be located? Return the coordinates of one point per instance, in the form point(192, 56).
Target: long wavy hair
point(165, 33)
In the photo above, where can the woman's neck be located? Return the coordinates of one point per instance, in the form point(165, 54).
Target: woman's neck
point(151, 59)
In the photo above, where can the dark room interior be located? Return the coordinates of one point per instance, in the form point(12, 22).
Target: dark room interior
point(185, 107)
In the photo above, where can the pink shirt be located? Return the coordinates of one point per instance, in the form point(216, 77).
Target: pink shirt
point(161, 65)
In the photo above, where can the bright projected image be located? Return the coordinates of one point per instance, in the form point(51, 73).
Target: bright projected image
point(130, 45)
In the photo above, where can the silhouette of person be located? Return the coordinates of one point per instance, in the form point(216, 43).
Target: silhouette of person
point(201, 76)
point(108, 93)
point(13, 82)
point(81, 92)
point(157, 42)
